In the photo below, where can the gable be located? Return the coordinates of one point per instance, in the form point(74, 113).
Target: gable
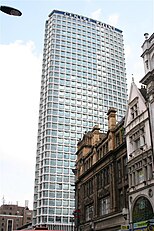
point(136, 104)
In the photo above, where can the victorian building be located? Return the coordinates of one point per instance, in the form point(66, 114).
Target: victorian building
point(139, 138)
point(148, 79)
point(12, 217)
point(101, 178)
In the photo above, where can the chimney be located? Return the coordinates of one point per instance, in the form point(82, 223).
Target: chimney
point(111, 118)
point(26, 203)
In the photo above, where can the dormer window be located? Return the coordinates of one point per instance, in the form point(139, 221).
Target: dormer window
point(134, 111)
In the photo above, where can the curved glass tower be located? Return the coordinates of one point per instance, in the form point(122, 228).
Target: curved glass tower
point(83, 74)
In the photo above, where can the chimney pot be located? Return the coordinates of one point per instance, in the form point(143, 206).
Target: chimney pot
point(111, 118)
point(146, 35)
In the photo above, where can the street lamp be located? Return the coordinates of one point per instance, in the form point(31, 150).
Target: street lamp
point(10, 10)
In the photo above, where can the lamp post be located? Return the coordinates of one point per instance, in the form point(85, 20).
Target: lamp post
point(10, 10)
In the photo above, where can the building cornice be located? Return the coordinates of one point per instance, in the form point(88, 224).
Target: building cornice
point(147, 78)
point(147, 50)
point(141, 189)
point(7, 215)
point(135, 122)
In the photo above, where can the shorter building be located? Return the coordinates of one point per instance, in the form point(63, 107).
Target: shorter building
point(140, 158)
point(139, 131)
point(101, 179)
point(13, 217)
point(148, 79)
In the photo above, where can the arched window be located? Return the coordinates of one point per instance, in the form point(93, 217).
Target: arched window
point(142, 210)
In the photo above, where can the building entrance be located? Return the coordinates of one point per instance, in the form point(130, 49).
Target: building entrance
point(143, 214)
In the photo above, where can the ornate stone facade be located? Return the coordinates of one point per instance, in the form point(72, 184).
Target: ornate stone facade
point(101, 178)
point(12, 217)
point(139, 128)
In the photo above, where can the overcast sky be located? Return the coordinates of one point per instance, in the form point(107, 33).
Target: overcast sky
point(21, 46)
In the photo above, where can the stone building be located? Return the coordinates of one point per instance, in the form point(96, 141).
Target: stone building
point(139, 127)
point(13, 217)
point(101, 178)
point(148, 79)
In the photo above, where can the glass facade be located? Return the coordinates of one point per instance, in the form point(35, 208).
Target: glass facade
point(83, 74)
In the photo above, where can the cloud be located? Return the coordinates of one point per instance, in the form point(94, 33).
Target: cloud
point(113, 19)
point(19, 99)
point(96, 14)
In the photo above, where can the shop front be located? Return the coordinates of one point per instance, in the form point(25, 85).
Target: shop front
point(144, 225)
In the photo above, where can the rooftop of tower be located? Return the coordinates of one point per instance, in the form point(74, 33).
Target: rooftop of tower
point(107, 26)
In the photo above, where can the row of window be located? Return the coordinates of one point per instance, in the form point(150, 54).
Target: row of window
point(65, 170)
point(58, 178)
point(104, 204)
point(88, 61)
point(72, 104)
point(106, 85)
point(78, 61)
point(69, 62)
point(60, 148)
point(83, 24)
point(141, 171)
point(63, 108)
point(84, 60)
point(79, 106)
point(55, 138)
point(104, 208)
point(85, 54)
point(78, 99)
point(141, 175)
point(83, 79)
point(96, 97)
point(73, 114)
point(67, 143)
point(52, 186)
point(58, 163)
point(79, 64)
point(67, 135)
point(85, 88)
point(97, 36)
point(57, 202)
point(78, 42)
point(103, 176)
point(58, 211)
point(87, 28)
point(58, 155)
point(94, 102)
point(91, 70)
point(53, 219)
